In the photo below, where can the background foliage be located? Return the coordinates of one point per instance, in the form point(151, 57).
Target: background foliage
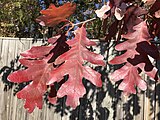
point(17, 17)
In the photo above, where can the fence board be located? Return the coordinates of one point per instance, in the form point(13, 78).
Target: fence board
point(106, 103)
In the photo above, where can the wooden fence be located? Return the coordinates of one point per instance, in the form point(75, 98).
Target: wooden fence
point(106, 103)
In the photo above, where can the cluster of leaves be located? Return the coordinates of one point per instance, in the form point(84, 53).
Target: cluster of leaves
point(49, 66)
point(130, 25)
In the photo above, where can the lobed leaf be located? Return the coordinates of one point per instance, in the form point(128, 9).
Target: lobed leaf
point(55, 15)
point(137, 48)
point(37, 71)
point(39, 63)
point(73, 61)
point(131, 78)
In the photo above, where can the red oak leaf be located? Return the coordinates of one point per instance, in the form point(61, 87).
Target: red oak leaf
point(139, 35)
point(30, 61)
point(73, 66)
point(137, 47)
point(38, 72)
point(155, 23)
point(131, 78)
point(52, 97)
point(116, 2)
point(122, 10)
point(55, 15)
point(145, 49)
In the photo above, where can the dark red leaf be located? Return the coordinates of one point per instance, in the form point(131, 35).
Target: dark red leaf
point(112, 30)
point(155, 7)
point(132, 17)
point(60, 48)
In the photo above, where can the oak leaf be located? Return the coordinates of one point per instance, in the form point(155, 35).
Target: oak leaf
point(137, 48)
point(37, 52)
point(38, 68)
point(55, 15)
point(73, 65)
point(139, 35)
point(38, 72)
point(131, 78)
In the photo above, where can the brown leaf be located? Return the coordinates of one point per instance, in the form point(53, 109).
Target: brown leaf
point(55, 15)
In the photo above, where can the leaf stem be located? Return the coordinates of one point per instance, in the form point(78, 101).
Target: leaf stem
point(83, 22)
point(77, 24)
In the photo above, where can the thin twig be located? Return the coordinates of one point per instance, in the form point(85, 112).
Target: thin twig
point(84, 21)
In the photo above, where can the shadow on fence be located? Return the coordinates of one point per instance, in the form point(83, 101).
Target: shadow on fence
point(91, 104)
